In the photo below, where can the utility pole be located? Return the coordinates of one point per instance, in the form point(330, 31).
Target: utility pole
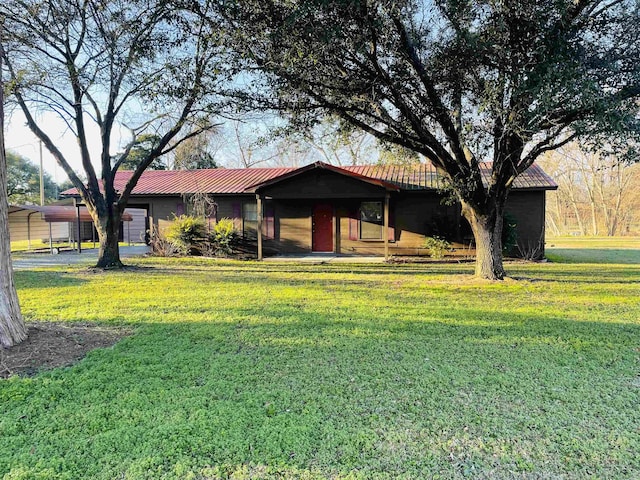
point(41, 176)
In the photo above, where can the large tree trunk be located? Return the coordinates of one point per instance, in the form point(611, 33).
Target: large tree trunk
point(12, 327)
point(487, 230)
point(108, 231)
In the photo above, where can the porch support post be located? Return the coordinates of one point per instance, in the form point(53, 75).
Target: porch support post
point(386, 226)
point(259, 212)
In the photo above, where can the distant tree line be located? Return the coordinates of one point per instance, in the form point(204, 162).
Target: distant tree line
point(23, 182)
point(597, 193)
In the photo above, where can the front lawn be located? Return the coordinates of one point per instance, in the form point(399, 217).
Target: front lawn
point(594, 249)
point(250, 370)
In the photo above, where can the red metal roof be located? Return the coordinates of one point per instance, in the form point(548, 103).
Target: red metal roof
point(237, 181)
point(424, 176)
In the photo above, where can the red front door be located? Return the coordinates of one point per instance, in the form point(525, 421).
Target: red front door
point(322, 240)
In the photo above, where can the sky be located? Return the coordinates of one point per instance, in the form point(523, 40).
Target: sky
point(19, 139)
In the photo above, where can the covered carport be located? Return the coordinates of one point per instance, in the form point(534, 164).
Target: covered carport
point(62, 222)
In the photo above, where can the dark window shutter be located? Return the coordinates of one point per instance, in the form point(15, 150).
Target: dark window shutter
point(237, 210)
point(353, 224)
point(268, 225)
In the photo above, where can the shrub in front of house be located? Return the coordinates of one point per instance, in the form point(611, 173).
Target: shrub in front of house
point(222, 237)
point(160, 246)
point(187, 234)
point(437, 246)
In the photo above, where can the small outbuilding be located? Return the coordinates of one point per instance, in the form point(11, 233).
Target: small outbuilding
point(53, 224)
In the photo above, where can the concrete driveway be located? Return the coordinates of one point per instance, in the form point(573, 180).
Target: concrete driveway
point(26, 261)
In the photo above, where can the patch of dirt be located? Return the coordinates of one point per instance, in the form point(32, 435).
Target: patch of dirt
point(52, 345)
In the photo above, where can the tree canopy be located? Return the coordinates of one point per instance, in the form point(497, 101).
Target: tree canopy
point(142, 146)
point(23, 181)
point(194, 154)
point(459, 81)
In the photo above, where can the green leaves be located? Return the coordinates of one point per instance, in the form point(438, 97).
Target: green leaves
point(23, 182)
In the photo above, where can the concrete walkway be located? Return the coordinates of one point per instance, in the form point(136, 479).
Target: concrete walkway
point(25, 261)
point(319, 258)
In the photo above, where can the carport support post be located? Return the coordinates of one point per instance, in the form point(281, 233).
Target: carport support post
point(386, 226)
point(259, 227)
point(29, 229)
point(79, 228)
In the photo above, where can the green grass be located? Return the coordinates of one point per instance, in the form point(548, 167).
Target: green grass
point(23, 245)
point(20, 246)
point(612, 250)
point(248, 370)
point(594, 242)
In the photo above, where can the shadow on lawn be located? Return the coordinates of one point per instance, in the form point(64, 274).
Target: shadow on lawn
point(321, 268)
point(453, 275)
point(266, 273)
point(33, 279)
point(400, 322)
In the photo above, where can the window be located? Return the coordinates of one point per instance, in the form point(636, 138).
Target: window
point(249, 219)
point(250, 213)
point(371, 221)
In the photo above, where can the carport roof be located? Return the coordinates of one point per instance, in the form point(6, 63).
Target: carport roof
point(61, 213)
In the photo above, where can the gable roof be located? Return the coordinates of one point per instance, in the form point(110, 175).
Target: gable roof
point(225, 181)
point(380, 182)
